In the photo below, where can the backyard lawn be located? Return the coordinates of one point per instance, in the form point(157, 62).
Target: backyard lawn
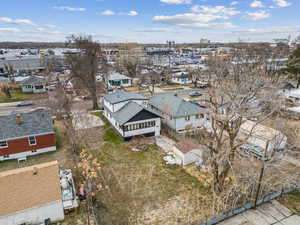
point(142, 189)
point(17, 96)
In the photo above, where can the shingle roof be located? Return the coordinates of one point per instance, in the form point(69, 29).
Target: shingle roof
point(127, 112)
point(34, 80)
point(21, 189)
point(33, 123)
point(120, 96)
point(175, 106)
point(117, 76)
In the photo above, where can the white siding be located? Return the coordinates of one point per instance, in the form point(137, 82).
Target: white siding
point(53, 210)
point(28, 153)
point(155, 129)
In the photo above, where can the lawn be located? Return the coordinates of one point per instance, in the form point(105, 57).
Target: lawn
point(292, 201)
point(17, 96)
point(142, 189)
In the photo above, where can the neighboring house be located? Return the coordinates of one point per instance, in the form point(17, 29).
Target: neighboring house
point(262, 136)
point(181, 78)
point(31, 195)
point(178, 114)
point(26, 134)
point(188, 152)
point(118, 80)
point(34, 84)
point(293, 95)
point(128, 114)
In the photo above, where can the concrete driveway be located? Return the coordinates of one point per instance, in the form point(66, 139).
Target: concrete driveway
point(271, 213)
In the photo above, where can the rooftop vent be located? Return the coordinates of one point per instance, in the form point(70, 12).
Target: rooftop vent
point(19, 119)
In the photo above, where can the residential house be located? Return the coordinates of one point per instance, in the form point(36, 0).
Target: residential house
point(25, 134)
point(262, 136)
point(181, 78)
point(178, 114)
point(31, 195)
point(34, 84)
point(188, 152)
point(128, 114)
point(116, 80)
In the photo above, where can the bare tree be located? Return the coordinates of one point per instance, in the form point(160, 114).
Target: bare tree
point(85, 64)
point(240, 91)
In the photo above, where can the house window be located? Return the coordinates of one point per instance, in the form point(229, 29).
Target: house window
point(6, 156)
point(125, 81)
point(199, 116)
point(187, 118)
point(28, 86)
point(33, 151)
point(32, 140)
point(3, 144)
point(38, 87)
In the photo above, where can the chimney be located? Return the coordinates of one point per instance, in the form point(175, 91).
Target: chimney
point(34, 171)
point(19, 119)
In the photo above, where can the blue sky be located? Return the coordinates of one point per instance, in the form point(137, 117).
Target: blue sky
point(149, 21)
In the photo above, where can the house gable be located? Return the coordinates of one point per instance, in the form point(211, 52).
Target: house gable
point(143, 115)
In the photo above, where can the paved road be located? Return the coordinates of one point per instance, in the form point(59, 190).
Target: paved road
point(271, 213)
point(7, 108)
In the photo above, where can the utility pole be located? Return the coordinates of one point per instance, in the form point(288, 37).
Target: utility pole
point(170, 43)
point(261, 175)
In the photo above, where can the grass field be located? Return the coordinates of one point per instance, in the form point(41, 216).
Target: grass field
point(17, 95)
point(142, 187)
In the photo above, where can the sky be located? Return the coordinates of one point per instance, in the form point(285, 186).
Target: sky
point(149, 21)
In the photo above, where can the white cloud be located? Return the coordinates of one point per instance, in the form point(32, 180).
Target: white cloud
point(272, 30)
point(177, 2)
point(108, 13)
point(186, 18)
point(9, 29)
point(70, 9)
point(132, 13)
point(257, 15)
point(234, 3)
point(17, 21)
point(193, 20)
point(161, 30)
point(50, 26)
point(219, 10)
point(282, 3)
point(256, 4)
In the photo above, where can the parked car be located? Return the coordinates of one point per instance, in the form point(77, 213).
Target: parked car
point(195, 94)
point(253, 150)
point(24, 103)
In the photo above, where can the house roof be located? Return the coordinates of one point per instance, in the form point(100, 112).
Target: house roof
point(117, 76)
point(22, 189)
point(128, 111)
point(258, 130)
point(33, 123)
point(34, 80)
point(175, 106)
point(121, 96)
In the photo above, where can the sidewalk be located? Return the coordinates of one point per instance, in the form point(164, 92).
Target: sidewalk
point(271, 213)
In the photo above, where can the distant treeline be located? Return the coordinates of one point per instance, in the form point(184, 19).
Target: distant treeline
point(34, 45)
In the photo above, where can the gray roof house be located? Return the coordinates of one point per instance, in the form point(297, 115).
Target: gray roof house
point(32, 123)
point(121, 96)
point(116, 79)
point(34, 84)
point(24, 134)
point(178, 114)
point(128, 114)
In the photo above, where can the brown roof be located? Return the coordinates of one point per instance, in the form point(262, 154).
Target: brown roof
point(186, 145)
point(22, 189)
